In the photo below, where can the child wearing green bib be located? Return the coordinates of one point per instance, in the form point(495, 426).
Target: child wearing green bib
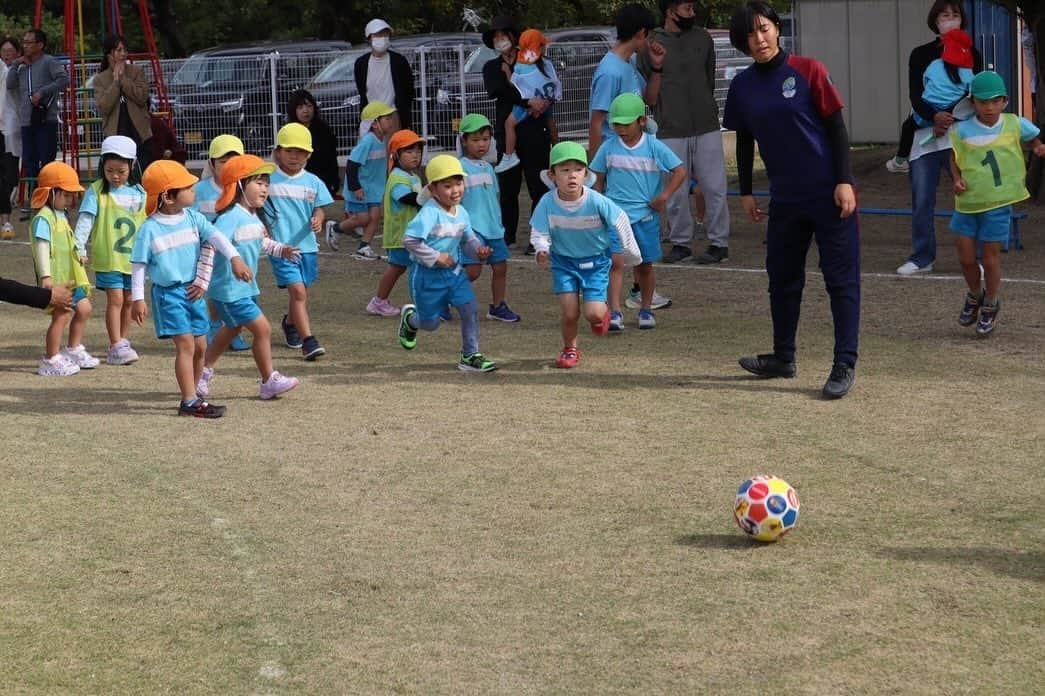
point(989, 176)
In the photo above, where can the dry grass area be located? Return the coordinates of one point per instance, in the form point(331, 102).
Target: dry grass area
point(395, 526)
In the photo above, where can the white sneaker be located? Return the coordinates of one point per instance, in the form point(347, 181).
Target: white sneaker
point(898, 166)
point(79, 356)
point(330, 228)
point(58, 366)
point(121, 353)
point(382, 307)
point(365, 253)
point(7, 232)
point(507, 162)
point(634, 300)
point(910, 268)
point(277, 384)
point(203, 386)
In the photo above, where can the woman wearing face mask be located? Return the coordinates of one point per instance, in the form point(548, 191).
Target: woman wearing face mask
point(926, 163)
point(384, 75)
point(533, 139)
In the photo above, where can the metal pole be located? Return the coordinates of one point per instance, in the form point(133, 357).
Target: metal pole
point(273, 57)
point(424, 96)
point(460, 74)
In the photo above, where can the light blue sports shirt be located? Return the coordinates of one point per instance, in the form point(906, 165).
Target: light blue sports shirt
point(291, 202)
point(170, 250)
point(482, 198)
point(633, 174)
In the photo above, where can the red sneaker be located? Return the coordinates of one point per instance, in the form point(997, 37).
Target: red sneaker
point(569, 357)
point(601, 328)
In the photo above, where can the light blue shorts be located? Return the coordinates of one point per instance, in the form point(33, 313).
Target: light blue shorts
point(398, 257)
point(435, 288)
point(647, 236)
point(989, 226)
point(589, 277)
point(354, 205)
point(500, 252)
point(237, 313)
point(174, 314)
point(305, 271)
point(112, 280)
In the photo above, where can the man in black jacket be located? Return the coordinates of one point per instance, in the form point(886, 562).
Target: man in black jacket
point(384, 75)
point(533, 136)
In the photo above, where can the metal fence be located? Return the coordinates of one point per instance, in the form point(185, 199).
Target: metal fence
point(247, 95)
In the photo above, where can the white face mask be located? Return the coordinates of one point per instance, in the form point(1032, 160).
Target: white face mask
point(946, 25)
point(502, 46)
point(380, 44)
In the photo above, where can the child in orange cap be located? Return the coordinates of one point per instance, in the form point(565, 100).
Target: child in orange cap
point(168, 248)
point(58, 262)
point(534, 76)
point(244, 184)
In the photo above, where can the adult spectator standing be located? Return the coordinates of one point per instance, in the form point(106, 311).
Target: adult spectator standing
point(384, 75)
point(927, 161)
point(687, 118)
point(10, 137)
point(121, 91)
point(37, 78)
point(532, 134)
point(302, 108)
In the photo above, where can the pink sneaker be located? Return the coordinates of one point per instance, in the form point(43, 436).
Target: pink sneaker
point(277, 384)
point(122, 353)
point(203, 386)
point(382, 307)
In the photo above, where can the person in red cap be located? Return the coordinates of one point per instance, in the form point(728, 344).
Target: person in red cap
point(168, 248)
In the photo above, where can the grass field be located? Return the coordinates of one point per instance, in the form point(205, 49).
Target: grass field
point(395, 526)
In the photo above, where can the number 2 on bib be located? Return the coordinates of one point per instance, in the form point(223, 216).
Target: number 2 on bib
point(122, 245)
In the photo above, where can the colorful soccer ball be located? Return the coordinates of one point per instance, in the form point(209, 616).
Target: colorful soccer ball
point(766, 507)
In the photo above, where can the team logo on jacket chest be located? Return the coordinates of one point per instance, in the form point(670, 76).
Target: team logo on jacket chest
point(788, 88)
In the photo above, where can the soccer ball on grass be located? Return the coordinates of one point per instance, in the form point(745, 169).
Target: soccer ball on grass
point(766, 507)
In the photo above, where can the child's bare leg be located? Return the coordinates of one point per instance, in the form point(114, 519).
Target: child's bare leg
point(261, 346)
point(185, 347)
point(992, 269)
point(967, 258)
point(53, 340)
point(199, 352)
point(388, 281)
point(509, 134)
point(373, 224)
point(499, 282)
point(212, 311)
point(353, 220)
point(644, 276)
point(616, 282)
point(569, 313)
point(595, 312)
point(114, 313)
point(223, 337)
point(125, 315)
point(81, 314)
point(298, 309)
point(474, 270)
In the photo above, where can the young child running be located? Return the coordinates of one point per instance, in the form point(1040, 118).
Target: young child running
point(629, 171)
point(434, 239)
point(245, 183)
point(575, 230)
point(167, 248)
point(482, 201)
point(989, 175)
point(111, 212)
point(365, 173)
point(533, 76)
point(400, 207)
point(295, 211)
point(59, 263)
point(222, 149)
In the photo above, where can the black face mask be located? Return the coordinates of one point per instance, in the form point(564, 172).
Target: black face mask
point(685, 23)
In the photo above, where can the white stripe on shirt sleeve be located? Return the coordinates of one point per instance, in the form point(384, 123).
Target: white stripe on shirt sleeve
point(632, 255)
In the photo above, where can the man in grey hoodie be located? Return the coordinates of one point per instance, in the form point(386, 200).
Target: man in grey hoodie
point(35, 82)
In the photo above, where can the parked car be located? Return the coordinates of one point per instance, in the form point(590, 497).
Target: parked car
point(575, 52)
point(228, 89)
point(335, 87)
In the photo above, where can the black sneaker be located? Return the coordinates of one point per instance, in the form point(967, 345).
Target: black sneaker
point(310, 348)
point(201, 409)
point(971, 308)
point(714, 254)
point(988, 318)
point(677, 253)
point(290, 334)
point(768, 365)
point(530, 251)
point(840, 381)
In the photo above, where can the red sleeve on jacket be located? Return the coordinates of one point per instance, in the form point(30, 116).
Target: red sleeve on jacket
point(825, 95)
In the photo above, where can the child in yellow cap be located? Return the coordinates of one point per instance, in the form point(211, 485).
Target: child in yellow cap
point(365, 174)
point(167, 248)
point(295, 210)
point(434, 239)
point(58, 262)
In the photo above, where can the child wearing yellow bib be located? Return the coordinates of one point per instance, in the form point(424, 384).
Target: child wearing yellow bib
point(111, 212)
point(58, 263)
point(989, 176)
